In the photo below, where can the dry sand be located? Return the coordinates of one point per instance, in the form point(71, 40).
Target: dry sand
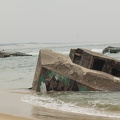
point(12, 108)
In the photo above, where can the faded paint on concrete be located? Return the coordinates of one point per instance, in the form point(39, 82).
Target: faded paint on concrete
point(57, 82)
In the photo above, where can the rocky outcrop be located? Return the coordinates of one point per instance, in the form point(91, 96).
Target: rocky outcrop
point(57, 72)
point(111, 50)
point(20, 54)
point(4, 54)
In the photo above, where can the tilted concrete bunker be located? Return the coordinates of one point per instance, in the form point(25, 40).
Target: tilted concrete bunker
point(56, 72)
point(95, 61)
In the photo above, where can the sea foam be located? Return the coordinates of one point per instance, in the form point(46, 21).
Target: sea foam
point(56, 104)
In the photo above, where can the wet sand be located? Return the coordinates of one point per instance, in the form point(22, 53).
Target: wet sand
point(13, 108)
point(10, 117)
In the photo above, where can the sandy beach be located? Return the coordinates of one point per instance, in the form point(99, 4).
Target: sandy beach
point(10, 117)
point(13, 108)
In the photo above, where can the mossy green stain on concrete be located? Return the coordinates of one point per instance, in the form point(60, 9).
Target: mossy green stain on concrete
point(65, 80)
point(50, 74)
point(59, 77)
point(41, 79)
point(83, 88)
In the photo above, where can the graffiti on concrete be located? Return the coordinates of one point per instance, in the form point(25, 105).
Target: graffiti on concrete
point(57, 82)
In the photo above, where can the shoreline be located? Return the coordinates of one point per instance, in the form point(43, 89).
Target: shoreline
point(13, 108)
point(11, 117)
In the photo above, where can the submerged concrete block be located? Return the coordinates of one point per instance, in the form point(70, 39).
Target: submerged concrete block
point(111, 49)
point(57, 72)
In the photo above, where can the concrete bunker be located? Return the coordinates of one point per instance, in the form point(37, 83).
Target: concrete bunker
point(56, 72)
point(95, 61)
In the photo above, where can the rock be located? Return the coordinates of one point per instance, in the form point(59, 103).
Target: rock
point(58, 73)
point(4, 54)
point(20, 54)
point(111, 50)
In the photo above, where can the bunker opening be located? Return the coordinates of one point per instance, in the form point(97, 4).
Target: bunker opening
point(98, 64)
point(115, 72)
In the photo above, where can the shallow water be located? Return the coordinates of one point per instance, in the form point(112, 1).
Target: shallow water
point(90, 103)
point(17, 73)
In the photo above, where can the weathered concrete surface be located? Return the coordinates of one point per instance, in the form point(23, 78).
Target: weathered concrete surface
point(95, 61)
point(57, 72)
point(111, 50)
point(4, 54)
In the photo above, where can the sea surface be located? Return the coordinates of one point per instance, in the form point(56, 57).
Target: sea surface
point(17, 73)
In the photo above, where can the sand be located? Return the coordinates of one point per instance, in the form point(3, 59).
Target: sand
point(13, 108)
point(10, 117)
point(11, 104)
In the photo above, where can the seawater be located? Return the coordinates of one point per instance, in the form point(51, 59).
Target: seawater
point(17, 73)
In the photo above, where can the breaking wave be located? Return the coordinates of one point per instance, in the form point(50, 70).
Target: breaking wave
point(97, 50)
point(33, 53)
point(65, 102)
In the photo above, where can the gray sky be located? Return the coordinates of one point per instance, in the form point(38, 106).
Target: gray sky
point(59, 21)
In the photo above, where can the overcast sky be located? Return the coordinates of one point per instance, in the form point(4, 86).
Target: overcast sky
point(59, 21)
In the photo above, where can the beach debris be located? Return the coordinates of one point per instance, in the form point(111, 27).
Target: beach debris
point(95, 61)
point(56, 72)
point(4, 54)
point(111, 49)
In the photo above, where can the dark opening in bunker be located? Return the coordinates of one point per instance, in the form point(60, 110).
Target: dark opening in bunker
point(115, 72)
point(98, 64)
point(77, 59)
point(75, 86)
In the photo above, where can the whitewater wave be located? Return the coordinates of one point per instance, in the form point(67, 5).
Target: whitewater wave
point(57, 104)
point(97, 50)
point(33, 53)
